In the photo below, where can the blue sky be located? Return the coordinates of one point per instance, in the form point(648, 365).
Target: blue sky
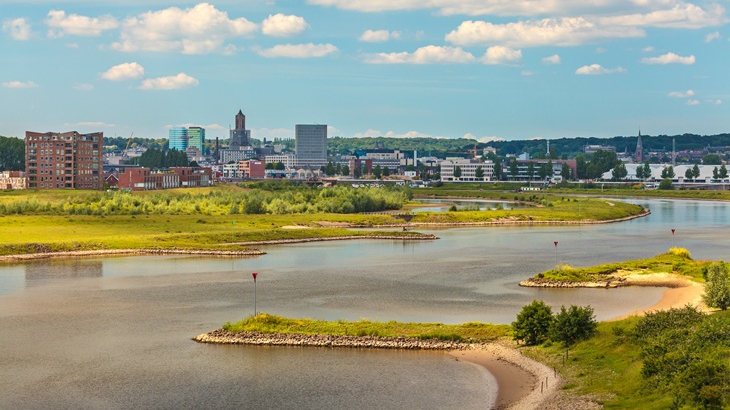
point(484, 69)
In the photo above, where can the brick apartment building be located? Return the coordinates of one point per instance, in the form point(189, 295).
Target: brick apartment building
point(66, 160)
point(145, 179)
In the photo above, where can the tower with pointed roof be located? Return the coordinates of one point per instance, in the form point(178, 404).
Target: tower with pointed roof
point(240, 136)
point(639, 153)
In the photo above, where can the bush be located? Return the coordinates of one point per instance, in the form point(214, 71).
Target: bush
point(533, 323)
point(573, 324)
point(666, 184)
point(681, 252)
point(717, 288)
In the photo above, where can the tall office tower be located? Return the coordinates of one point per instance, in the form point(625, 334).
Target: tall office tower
point(196, 137)
point(311, 145)
point(178, 138)
point(239, 137)
point(66, 160)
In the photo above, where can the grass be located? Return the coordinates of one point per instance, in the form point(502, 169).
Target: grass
point(676, 261)
point(473, 331)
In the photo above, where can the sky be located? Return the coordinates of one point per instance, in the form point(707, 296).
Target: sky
point(482, 69)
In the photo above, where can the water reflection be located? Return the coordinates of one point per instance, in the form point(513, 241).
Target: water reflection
point(63, 269)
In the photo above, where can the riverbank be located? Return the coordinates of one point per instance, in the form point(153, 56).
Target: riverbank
point(121, 252)
point(522, 383)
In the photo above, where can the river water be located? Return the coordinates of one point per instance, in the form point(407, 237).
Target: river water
point(115, 332)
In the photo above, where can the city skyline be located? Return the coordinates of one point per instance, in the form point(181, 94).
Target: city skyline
point(450, 68)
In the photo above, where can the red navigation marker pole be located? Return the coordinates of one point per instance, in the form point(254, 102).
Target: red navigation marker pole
point(673, 237)
point(255, 312)
point(556, 253)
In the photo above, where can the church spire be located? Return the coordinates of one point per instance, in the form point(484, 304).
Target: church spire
point(639, 153)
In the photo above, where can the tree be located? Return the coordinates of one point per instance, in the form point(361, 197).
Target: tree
point(338, 169)
point(565, 172)
point(604, 161)
point(497, 174)
point(12, 154)
point(573, 325)
point(457, 172)
point(717, 287)
point(280, 166)
point(695, 171)
point(666, 184)
point(386, 171)
point(479, 172)
point(581, 167)
point(688, 173)
point(619, 172)
point(378, 171)
point(640, 173)
point(345, 169)
point(531, 169)
point(513, 169)
point(329, 169)
point(542, 172)
point(715, 173)
point(533, 323)
point(647, 170)
point(711, 159)
point(668, 172)
point(723, 172)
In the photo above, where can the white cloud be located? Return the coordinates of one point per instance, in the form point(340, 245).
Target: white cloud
point(712, 36)
point(669, 58)
point(72, 45)
point(597, 69)
point(125, 71)
point(553, 59)
point(601, 50)
point(371, 133)
point(280, 25)
point(18, 28)
point(271, 133)
point(409, 134)
point(647, 49)
point(425, 55)
point(714, 102)
point(500, 55)
point(175, 82)
point(298, 50)
point(83, 87)
point(73, 24)
point(19, 84)
point(693, 102)
point(202, 29)
point(568, 31)
point(471, 136)
point(681, 94)
point(379, 36)
point(527, 73)
point(681, 15)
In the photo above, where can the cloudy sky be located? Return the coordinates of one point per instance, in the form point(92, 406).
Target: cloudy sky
point(485, 69)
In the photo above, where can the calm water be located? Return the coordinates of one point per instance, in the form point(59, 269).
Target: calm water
point(115, 332)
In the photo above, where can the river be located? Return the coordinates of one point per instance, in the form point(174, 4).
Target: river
point(115, 332)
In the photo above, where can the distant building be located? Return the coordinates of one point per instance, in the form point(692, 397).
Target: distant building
point(12, 180)
point(639, 153)
point(468, 169)
point(178, 138)
point(365, 165)
point(523, 169)
point(231, 155)
point(240, 136)
point(311, 145)
point(196, 138)
point(286, 159)
point(145, 179)
point(592, 149)
point(66, 160)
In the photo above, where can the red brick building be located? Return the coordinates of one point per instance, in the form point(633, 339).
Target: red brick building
point(66, 160)
point(145, 179)
point(252, 169)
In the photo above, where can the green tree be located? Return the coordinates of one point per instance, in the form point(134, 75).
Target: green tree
point(542, 172)
point(457, 172)
point(497, 173)
point(688, 173)
point(717, 287)
point(338, 169)
point(378, 171)
point(573, 325)
point(647, 170)
point(533, 323)
point(565, 172)
point(695, 171)
point(668, 172)
point(666, 184)
point(531, 169)
point(386, 171)
point(711, 159)
point(640, 173)
point(704, 383)
point(345, 169)
point(280, 166)
point(619, 172)
point(715, 173)
point(12, 154)
point(581, 167)
point(513, 169)
point(723, 172)
point(604, 161)
point(479, 172)
point(329, 169)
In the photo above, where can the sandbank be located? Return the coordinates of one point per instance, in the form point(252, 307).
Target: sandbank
point(522, 383)
point(681, 292)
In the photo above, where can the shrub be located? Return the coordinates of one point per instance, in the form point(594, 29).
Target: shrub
point(717, 288)
point(533, 323)
point(666, 184)
point(573, 324)
point(681, 252)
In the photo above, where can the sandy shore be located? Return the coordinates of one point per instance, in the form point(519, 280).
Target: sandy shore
point(522, 383)
point(681, 292)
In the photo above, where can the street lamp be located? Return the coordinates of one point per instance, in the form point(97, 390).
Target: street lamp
point(255, 312)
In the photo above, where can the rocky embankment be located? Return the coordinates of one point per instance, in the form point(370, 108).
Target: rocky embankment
point(111, 252)
point(546, 283)
point(221, 336)
point(411, 237)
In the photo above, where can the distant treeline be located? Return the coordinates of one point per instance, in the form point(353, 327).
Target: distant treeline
point(12, 154)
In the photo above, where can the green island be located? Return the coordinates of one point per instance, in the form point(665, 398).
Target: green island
point(674, 358)
point(237, 217)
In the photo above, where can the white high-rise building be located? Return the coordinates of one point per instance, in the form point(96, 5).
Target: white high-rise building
point(311, 145)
